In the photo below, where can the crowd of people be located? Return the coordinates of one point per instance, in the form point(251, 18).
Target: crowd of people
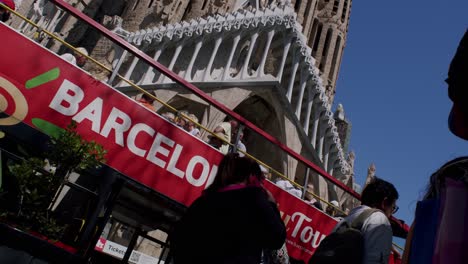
point(185, 120)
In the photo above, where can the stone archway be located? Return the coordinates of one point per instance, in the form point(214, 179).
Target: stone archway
point(184, 104)
point(266, 118)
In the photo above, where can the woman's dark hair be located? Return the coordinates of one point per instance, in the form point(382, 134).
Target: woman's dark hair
point(234, 169)
point(376, 191)
point(456, 169)
point(5, 16)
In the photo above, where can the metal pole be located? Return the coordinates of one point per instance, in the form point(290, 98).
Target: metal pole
point(89, 239)
point(306, 181)
point(117, 67)
point(236, 141)
point(165, 246)
point(131, 245)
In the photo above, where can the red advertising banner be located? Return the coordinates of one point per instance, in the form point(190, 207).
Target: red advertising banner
point(46, 92)
point(40, 89)
point(306, 226)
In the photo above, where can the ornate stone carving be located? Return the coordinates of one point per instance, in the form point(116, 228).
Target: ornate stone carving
point(281, 16)
point(351, 158)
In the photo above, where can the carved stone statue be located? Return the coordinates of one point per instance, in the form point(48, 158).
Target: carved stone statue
point(164, 10)
point(370, 173)
point(339, 113)
point(351, 158)
point(217, 6)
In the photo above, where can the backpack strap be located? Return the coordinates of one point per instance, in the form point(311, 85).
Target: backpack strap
point(359, 221)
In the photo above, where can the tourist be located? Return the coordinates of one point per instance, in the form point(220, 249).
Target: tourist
point(180, 120)
point(233, 220)
point(5, 14)
point(377, 231)
point(439, 233)
point(216, 140)
point(78, 58)
point(287, 186)
point(101, 73)
point(241, 149)
point(191, 126)
point(147, 101)
point(332, 211)
point(265, 173)
point(310, 199)
point(169, 117)
point(227, 129)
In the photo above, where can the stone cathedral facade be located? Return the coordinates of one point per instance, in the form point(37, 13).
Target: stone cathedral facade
point(273, 62)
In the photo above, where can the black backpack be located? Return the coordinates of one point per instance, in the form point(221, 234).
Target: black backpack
point(345, 245)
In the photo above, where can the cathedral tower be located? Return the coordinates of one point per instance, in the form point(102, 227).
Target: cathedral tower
point(325, 25)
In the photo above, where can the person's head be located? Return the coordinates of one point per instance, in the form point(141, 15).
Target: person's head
point(456, 169)
point(234, 124)
point(234, 169)
point(191, 124)
point(4, 13)
point(216, 141)
point(234, 135)
point(181, 121)
point(169, 116)
point(81, 56)
point(265, 173)
point(241, 135)
point(146, 98)
point(309, 197)
point(380, 194)
point(331, 210)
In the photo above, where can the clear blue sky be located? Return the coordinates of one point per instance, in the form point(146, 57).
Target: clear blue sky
point(392, 88)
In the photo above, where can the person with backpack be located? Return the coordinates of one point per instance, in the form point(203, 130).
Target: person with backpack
point(365, 235)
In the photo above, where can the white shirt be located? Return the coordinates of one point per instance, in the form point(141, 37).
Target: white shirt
point(195, 132)
point(241, 146)
point(69, 57)
point(227, 135)
point(377, 233)
point(287, 186)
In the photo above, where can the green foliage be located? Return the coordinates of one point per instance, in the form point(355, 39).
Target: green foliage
point(37, 189)
point(68, 152)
